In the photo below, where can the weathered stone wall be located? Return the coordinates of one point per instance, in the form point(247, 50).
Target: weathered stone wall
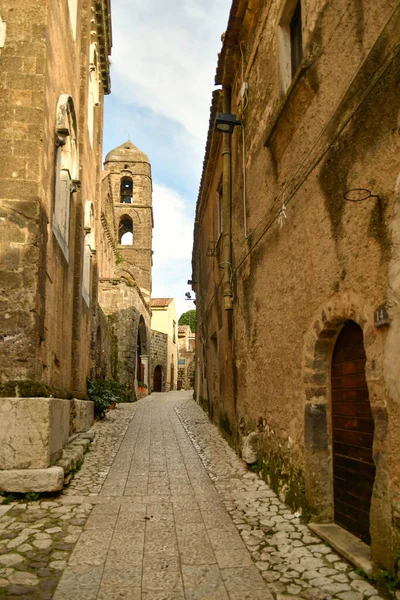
point(124, 308)
point(300, 273)
point(159, 357)
point(47, 325)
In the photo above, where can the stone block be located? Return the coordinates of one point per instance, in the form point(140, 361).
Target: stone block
point(33, 431)
point(32, 480)
point(59, 427)
point(83, 415)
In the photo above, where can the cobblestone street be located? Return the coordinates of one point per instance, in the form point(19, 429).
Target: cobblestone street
point(162, 508)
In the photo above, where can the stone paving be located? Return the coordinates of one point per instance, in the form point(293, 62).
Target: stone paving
point(162, 508)
point(293, 561)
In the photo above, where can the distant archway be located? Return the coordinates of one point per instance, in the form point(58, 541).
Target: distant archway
point(157, 379)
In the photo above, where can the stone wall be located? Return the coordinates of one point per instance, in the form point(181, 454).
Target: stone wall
point(309, 258)
point(49, 183)
point(124, 309)
point(159, 357)
point(47, 325)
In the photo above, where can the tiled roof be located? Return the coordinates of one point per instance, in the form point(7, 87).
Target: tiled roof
point(183, 328)
point(160, 302)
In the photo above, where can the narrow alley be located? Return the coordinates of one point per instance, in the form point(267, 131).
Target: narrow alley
point(163, 509)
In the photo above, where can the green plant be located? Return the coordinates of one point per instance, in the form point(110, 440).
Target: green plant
point(387, 581)
point(142, 384)
point(360, 572)
point(8, 498)
point(32, 496)
point(104, 393)
point(188, 318)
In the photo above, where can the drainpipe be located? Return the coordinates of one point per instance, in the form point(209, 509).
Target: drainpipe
point(226, 208)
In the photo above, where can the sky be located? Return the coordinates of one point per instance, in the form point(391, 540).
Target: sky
point(163, 65)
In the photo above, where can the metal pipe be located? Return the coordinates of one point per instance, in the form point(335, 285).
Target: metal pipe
point(226, 208)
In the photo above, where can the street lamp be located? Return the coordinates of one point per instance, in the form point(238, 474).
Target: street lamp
point(225, 123)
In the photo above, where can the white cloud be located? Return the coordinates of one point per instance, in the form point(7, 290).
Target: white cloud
point(173, 232)
point(165, 56)
point(164, 60)
point(172, 246)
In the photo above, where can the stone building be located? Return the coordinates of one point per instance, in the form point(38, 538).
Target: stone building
point(54, 74)
point(296, 257)
point(186, 357)
point(164, 320)
point(124, 263)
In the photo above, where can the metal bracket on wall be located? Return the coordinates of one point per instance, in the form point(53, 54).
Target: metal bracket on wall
point(212, 249)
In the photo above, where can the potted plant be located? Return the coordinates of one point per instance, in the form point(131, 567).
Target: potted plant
point(142, 387)
point(106, 394)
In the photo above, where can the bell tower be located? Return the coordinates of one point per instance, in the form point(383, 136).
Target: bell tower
point(131, 193)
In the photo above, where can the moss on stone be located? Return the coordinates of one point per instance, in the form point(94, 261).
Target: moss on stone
point(28, 388)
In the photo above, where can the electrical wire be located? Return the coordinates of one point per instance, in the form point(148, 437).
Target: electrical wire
point(316, 162)
point(371, 85)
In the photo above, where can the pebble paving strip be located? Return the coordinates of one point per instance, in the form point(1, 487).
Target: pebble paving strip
point(294, 562)
point(37, 538)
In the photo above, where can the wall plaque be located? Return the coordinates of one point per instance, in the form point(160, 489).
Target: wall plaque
point(381, 316)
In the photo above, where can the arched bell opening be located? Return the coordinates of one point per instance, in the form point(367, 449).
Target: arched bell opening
point(125, 231)
point(126, 190)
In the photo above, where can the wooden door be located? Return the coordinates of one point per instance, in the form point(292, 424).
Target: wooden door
point(352, 433)
point(157, 381)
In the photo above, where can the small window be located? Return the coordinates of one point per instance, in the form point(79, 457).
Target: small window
point(174, 332)
point(126, 191)
point(88, 250)
point(290, 37)
point(296, 39)
point(66, 170)
point(125, 234)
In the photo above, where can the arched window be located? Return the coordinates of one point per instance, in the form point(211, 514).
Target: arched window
point(125, 233)
point(88, 249)
point(66, 174)
point(126, 191)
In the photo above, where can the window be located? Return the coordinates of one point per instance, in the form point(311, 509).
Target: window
point(296, 40)
point(290, 38)
point(126, 191)
point(174, 332)
point(125, 233)
point(66, 174)
point(88, 249)
point(93, 93)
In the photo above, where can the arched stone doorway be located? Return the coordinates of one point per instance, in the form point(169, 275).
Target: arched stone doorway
point(319, 346)
point(157, 379)
point(352, 433)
